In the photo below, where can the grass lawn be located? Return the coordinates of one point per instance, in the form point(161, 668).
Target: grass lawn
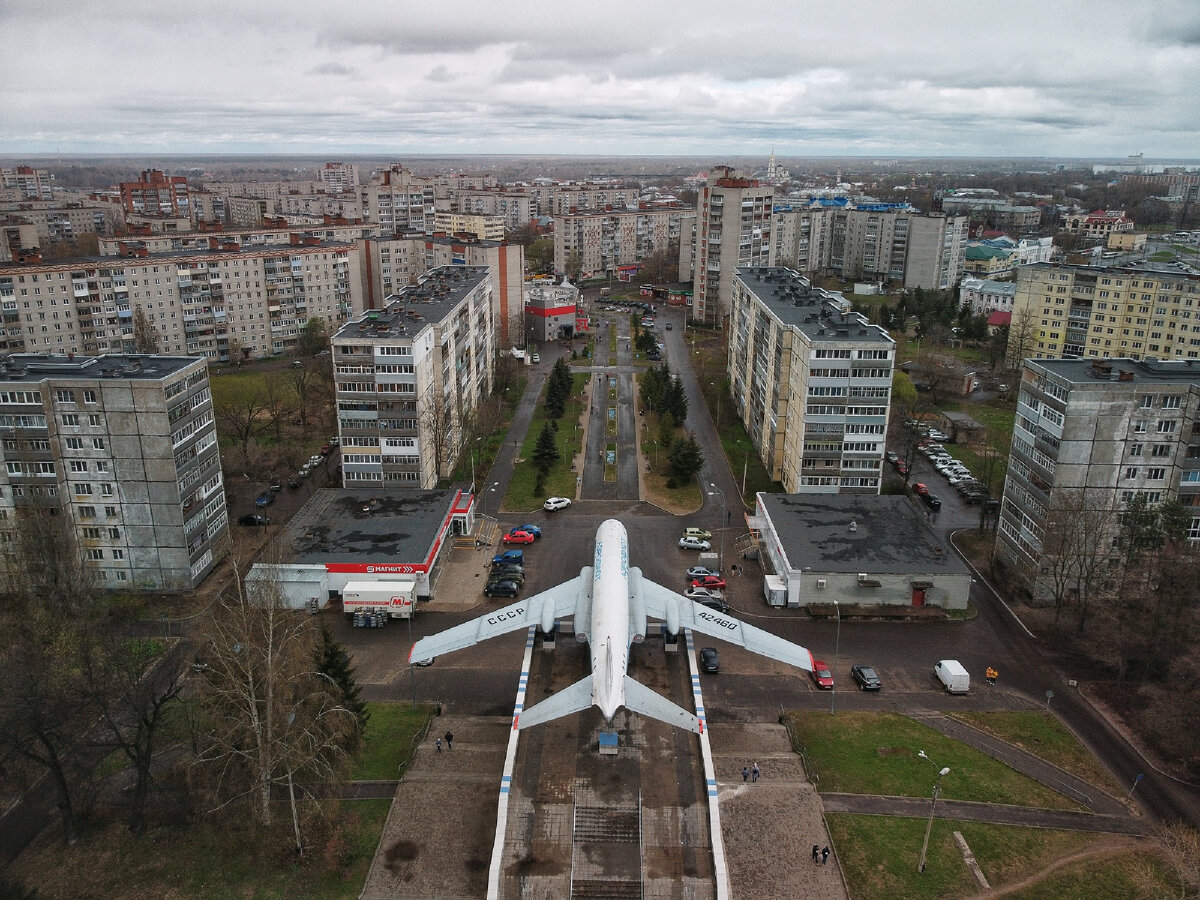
point(391, 732)
point(560, 481)
point(1040, 733)
point(879, 856)
point(876, 753)
point(209, 859)
point(1118, 876)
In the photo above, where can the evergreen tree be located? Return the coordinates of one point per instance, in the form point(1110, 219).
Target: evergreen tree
point(545, 453)
point(675, 401)
point(333, 660)
point(685, 457)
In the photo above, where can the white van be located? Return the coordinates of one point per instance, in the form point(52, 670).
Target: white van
point(954, 678)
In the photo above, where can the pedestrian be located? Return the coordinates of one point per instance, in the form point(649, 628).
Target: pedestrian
point(754, 772)
point(438, 744)
point(449, 740)
point(745, 773)
point(816, 853)
point(825, 854)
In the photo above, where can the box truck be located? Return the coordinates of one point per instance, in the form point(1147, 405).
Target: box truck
point(394, 597)
point(954, 678)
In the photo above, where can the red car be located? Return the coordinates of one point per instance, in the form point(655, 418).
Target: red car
point(821, 675)
point(518, 537)
point(712, 582)
point(919, 488)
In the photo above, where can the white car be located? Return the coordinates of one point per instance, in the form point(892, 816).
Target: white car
point(691, 543)
point(699, 572)
point(316, 460)
point(937, 435)
point(699, 593)
point(554, 503)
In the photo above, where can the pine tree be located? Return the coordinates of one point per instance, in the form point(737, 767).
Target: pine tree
point(545, 453)
point(686, 458)
point(333, 660)
point(675, 401)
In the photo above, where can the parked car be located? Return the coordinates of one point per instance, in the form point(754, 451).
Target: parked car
point(252, 520)
point(554, 503)
point(699, 572)
point(821, 675)
point(504, 587)
point(699, 593)
point(506, 573)
point(509, 556)
point(316, 459)
point(518, 537)
point(932, 501)
point(710, 660)
point(294, 481)
point(276, 485)
point(535, 358)
point(892, 456)
point(717, 603)
point(866, 677)
point(920, 488)
point(668, 326)
point(715, 582)
point(902, 467)
point(697, 533)
point(532, 529)
point(325, 450)
point(266, 498)
point(691, 543)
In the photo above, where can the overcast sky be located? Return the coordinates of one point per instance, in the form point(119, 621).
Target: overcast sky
point(901, 77)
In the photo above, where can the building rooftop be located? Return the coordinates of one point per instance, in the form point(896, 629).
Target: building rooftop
point(889, 534)
point(35, 367)
point(814, 311)
point(404, 314)
point(365, 525)
point(1141, 371)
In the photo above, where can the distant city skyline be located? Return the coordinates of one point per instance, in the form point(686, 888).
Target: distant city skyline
point(1099, 79)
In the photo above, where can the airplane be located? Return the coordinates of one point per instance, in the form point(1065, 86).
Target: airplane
point(610, 601)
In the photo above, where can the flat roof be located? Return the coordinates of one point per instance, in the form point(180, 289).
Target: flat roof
point(890, 536)
point(365, 525)
point(1137, 371)
point(35, 367)
point(437, 294)
point(811, 310)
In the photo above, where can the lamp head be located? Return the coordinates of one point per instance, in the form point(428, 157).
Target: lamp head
point(921, 753)
point(945, 771)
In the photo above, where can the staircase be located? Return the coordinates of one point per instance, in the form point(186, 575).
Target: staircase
point(613, 835)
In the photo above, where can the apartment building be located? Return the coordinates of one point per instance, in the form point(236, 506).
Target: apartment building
point(27, 182)
point(811, 381)
point(338, 177)
point(1098, 223)
point(234, 239)
point(410, 376)
point(734, 218)
point(936, 255)
point(802, 237)
point(1098, 432)
point(606, 240)
point(390, 264)
point(558, 199)
point(156, 194)
point(994, 213)
point(485, 228)
point(1137, 312)
point(224, 304)
point(515, 207)
point(127, 447)
point(398, 202)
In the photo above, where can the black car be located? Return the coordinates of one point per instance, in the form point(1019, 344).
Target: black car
point(508, 573)
point(710, 661)
point(252, 520)
point(866, 678)
point(714, 603)
point(504, 587)
point(932, 501)
point(499, 569)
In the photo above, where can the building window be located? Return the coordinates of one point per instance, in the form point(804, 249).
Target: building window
point(1131, 472)
point(95, 553)
point(1156, 474)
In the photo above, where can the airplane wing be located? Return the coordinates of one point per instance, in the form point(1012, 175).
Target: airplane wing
point(679, 610)
point(640, 699)
point(542, 608)
point(573, 699)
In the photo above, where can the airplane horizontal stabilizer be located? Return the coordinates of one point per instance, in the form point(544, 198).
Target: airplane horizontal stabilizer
point(573, 699)
point(640, 699)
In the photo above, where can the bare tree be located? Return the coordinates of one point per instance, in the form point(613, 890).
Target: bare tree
point(1021, 338)
point(303, 381)
point(238, 417)
point(145, 335)
point(277, 402)
point(941, 374)
point(278, 722)
point(439, 425)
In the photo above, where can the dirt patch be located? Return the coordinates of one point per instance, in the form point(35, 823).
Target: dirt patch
point(401, 852)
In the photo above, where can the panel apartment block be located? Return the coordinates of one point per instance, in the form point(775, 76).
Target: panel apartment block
point(811, 381)
point(127, 447)
point(1103, 431)
point(410, 376)
point(1077, 311)
point(607, 240)
point(228, 304)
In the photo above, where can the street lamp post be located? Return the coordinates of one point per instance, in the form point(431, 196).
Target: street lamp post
point(713, 489)
point(491, 489)
point(713, 385)
point(837, 643)
point(937, 790)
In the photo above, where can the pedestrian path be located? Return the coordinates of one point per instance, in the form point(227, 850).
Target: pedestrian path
point(995, 813)
point(1082, 792)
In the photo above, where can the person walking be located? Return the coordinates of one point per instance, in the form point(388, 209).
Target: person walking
point(449, 740)
point(745, 773)
point(438, 744)
point(816, 853)
point(825, 854)
point(754, 772)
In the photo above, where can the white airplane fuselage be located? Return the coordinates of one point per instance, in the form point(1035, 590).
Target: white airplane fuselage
point(610, 631)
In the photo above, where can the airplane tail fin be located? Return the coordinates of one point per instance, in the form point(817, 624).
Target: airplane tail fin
point(573, 699)
point(640, 699)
